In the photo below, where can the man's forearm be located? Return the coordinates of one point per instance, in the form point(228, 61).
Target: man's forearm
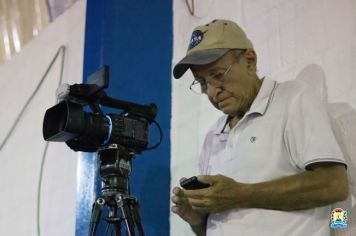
point(305, 190)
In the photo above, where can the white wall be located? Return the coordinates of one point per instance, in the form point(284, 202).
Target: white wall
point(287, 36)
point(21, 155)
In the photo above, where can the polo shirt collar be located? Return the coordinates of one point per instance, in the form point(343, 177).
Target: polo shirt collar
point(263, 98)
point(259, 105)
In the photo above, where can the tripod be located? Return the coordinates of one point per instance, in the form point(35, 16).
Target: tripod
point(115, 168)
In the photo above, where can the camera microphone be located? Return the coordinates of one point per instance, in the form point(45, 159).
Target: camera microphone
point(62, 92)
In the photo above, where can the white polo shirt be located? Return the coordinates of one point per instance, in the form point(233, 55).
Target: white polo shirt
point(286, 129)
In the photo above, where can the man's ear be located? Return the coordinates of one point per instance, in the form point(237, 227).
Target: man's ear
point(251, 59)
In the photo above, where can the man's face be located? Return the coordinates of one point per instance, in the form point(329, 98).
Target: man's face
point(239, 86)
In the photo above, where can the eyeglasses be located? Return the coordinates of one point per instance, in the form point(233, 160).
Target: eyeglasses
point(215, 80)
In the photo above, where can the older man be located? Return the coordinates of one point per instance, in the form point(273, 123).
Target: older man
point(272, 162)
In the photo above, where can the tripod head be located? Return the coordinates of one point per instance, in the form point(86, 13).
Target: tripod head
point(115, 168)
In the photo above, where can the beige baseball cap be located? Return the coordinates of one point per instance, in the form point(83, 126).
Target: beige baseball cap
point(210, 42)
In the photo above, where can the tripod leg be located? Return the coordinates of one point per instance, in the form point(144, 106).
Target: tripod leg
point(117, 229)
point(124, 206)
point(95, 215)
point(130, 224)
point(135, 211)
point(114, 220)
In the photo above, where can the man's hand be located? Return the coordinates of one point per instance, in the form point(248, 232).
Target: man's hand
point(320, 185)
point(223, 194)
point(185, 210)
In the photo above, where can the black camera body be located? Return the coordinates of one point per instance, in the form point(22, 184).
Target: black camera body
point(116, 137)
point(89, 131)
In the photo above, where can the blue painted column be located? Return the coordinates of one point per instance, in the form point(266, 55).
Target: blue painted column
point(135, 39)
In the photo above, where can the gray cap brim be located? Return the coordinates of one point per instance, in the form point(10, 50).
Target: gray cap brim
point(202, 57)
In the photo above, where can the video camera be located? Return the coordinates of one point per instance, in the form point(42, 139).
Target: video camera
point(85, 131)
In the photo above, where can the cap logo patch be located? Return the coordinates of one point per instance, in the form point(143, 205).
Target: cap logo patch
point(197, 37)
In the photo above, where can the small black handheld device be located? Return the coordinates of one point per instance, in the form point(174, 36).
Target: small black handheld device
point(193, 183)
